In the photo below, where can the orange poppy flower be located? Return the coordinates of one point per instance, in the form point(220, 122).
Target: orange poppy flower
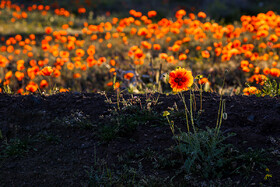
point(80, 52)
point(201, 15)
point(274, 72)
point(19, 75)
point(156, 47)
point(56, 73)
point(112, 62)
point(110, 84)
point(47, 71)
point(152, 13)
point(109, 45)
point(44, 84)
point(250, 90)
point(20, 91)
point(180, 79)
point(76, 75)
point(32, 37)
point(180, 13)
point(205, 54)
point(163, 56)
point(182, 57)
point(48, 30)
point(8, 75)
point(81, 10)
point(117, 85)
point(128, 76)
point(101, 60)
point(63, 90)
point(32, 87)
point(244, 63)
point(203, 81)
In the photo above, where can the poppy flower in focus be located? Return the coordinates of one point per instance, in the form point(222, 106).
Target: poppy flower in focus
point(180, 79)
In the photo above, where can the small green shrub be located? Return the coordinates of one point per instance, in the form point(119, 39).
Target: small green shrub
point(204, 153)
point(270, 88)
point(16, 147)
point(125, 122)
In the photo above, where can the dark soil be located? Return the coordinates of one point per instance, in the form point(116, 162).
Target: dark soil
point(58, 148)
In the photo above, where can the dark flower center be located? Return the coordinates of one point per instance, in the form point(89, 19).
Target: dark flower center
point(179, 80)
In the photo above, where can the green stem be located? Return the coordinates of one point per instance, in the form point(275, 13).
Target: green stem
point(201, 97)
point(221, 115)
point(186, 110)
point(191, 111)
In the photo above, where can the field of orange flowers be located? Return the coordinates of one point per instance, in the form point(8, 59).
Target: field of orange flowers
point(85, 99)
point(72, 52)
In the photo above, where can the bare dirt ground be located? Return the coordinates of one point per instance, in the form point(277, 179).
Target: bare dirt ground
point(54, 140)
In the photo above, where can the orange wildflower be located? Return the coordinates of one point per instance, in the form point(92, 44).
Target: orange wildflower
point(8, 75)
point(266, 71)
point(250, 90)
point(244, 63)
point(156, 47)
point(19, 75)
point(63, 90)
point(48, 30)
point(128, 76)
point(163, 56)
point(152, 13)
point(274, 72)
point(201, 15)
point(112, 62)
point(32, 87)
point(203, 81)
point(44, 84)
point(117, 85)
point(180, 79)
point(80, 52)
point(76, 75)
point(205, 54)
point(47, 71)
point(182, 57)
point(110, 84)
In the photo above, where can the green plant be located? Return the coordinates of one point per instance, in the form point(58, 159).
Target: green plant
point(16, 147)
point(270, 88)
point(125, 122)
point(201, 148)
point(7, 89)
point(51, 138)
point(250, 160)
point(204, 153)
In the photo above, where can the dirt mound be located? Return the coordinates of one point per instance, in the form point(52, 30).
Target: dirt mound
point(62, 140)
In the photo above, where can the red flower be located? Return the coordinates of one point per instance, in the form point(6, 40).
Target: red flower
point(180, 79)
